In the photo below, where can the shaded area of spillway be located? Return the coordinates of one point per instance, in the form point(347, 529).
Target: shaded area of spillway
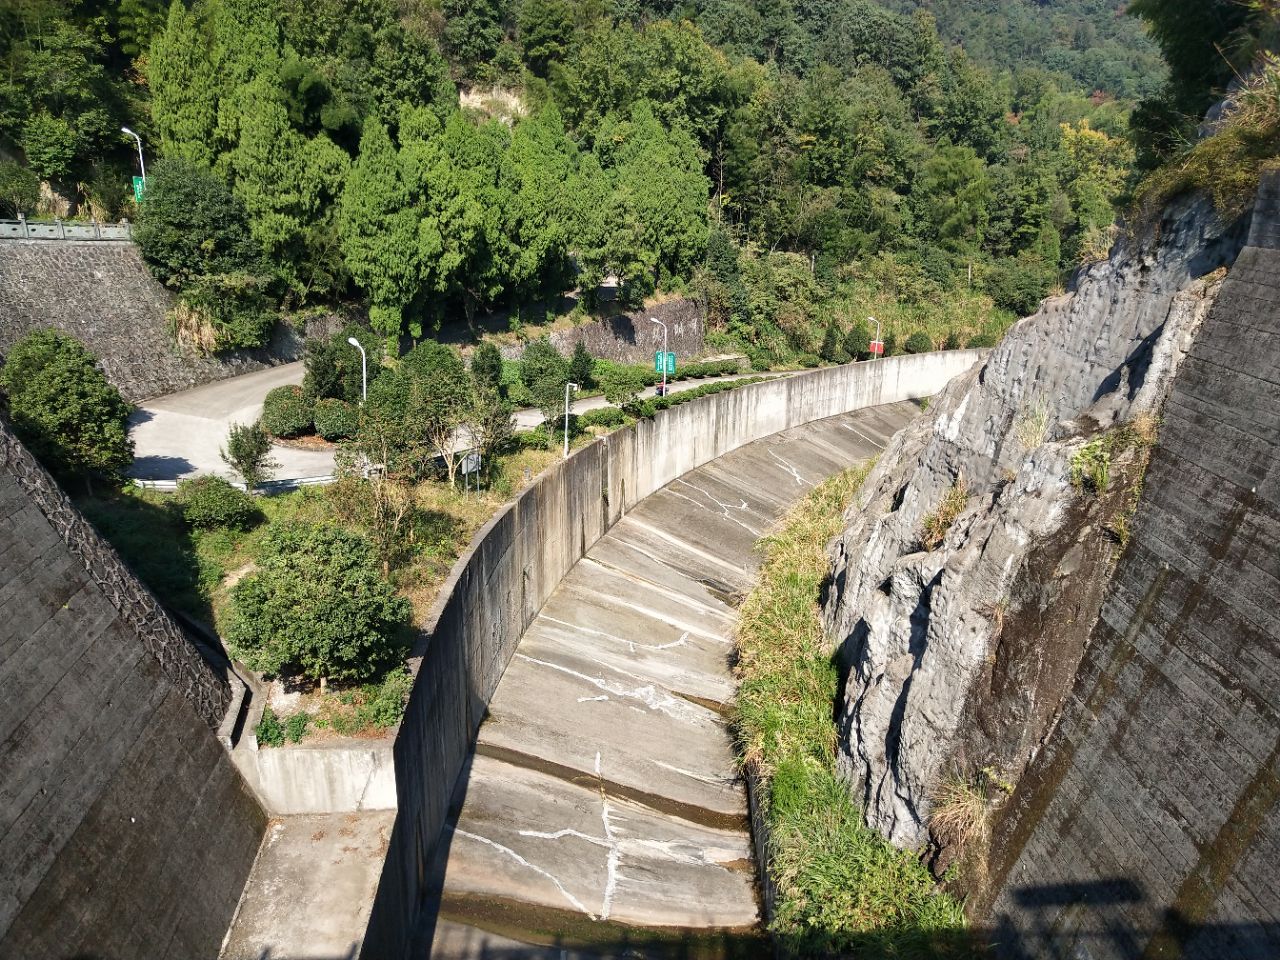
point(601, 810)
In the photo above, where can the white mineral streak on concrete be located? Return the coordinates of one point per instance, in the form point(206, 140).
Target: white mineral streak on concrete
point(507, 851)
point(790, 468)
point(648, 694)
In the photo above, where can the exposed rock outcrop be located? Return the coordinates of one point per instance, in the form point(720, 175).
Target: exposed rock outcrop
point(958, 657)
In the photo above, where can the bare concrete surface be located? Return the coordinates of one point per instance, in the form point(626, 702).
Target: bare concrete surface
point(602, 811)
point(327, 863)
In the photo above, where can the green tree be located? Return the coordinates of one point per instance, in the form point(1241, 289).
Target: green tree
point(857, 342)
point(19, 189)
point(546, 32)
point(248, 453)
point(334, 367)
point(582, 366)
point(622, 385)
point(540, 360)
point(318, 605)
point(473, 30)
point(378, 227)
point(187, 80)
point(486, 367)
point(50, 145)
point(954, 194)
point(63, 407)
point(832, 349)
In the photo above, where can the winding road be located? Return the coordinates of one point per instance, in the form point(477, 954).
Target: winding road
point(181, 435)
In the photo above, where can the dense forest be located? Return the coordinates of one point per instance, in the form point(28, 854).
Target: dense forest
point(796, 163)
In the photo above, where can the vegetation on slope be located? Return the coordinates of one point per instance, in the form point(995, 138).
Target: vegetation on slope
point(842, 888)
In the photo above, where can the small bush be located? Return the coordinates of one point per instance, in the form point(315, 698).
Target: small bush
point(287, 412)
point(918, 342)
point(952, 342)
point(336, 419)
point(209, 502)
point(603, 417)
point(270, 731)
point(939, 522)
point(384, 703)
point(981, 341)
point(295, 728)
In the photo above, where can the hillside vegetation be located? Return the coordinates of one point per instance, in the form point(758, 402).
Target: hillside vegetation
point(792, 163)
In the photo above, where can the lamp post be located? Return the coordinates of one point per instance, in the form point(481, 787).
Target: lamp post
point(142, 166)
point(364, 369)
point(567, 388)
point(879, 340)
point(664, 352)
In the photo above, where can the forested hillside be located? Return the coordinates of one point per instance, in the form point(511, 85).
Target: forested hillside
point(1089, 43)
point(799, 164)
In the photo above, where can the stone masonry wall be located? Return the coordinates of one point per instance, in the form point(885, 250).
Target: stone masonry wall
point(102, 294)
point(631, 338)
point(1149, 825)
point(125, 831)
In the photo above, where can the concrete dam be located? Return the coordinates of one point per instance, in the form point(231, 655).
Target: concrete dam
point(562, 783)
point(132, 834)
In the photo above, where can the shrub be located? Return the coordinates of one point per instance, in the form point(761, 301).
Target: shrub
point(622, 385)
point(63, 407)
point(19, 189)
point(336, 419)
point(602, 417)
point(582, 366)
point(248, 453)
point(333, 365)
point(918, 342)
point(287, 412)
point(384, 703)
point(295, 728)
point(207, 502)
point(981, 341)
point(270, 731)
point(1091, 466)
point(952, 342)
point(318, 605)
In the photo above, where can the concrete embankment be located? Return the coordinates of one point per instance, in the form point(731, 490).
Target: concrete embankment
point(603, 805)
point(517, 562)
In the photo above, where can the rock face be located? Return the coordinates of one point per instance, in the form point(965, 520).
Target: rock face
point(958, 658)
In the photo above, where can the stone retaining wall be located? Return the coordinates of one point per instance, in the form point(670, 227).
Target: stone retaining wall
point(518, 559)
point(630, 337)
point(125, 832)
point(102, 294)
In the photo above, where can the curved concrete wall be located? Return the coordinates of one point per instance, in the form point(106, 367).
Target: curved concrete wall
point(517, 560)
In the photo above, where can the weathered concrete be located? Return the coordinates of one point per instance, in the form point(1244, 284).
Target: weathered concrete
point(603, 804)
point(311, 888)
point(517, 560)
point(125, 832)
point(1150, 823)
point(338, 777)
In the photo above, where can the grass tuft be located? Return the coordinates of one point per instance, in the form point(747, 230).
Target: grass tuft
point(842, 888)
point(936, 524)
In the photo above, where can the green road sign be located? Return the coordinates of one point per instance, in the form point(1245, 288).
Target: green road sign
point(139, 189)
point(670, 362)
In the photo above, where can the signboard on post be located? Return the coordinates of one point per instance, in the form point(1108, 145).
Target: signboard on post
point(667, 360)
point(139, 189)
point(877, 348)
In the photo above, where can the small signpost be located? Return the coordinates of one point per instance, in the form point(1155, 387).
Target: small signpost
point(664, 362)
point(877, 345)
point(139, 189)
point(470, 465)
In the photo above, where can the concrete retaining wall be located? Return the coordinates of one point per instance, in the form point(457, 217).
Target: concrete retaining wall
point(319, 778)
point(518, 559)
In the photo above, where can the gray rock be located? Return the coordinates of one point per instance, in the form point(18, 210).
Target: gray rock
point(931, 687)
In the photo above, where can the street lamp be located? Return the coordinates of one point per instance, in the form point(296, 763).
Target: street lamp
point(141, 163)
point(878, 340)
point(664, 352)
point(364, 369)
point(567, 388)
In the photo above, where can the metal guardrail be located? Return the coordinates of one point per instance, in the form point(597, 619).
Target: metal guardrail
point(266, 489)
point(64, 230)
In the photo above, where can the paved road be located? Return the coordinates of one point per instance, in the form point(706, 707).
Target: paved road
point(602, 807)
point(181, 435)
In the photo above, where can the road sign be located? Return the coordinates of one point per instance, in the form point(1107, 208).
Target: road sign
point(877, 348)
point(670, 359)
point(471, 463)
point(139, 189)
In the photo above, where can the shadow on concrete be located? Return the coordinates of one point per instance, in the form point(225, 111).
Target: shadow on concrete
point(161, 468)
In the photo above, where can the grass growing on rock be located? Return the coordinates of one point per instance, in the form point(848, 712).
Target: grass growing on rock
point(842, 888)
